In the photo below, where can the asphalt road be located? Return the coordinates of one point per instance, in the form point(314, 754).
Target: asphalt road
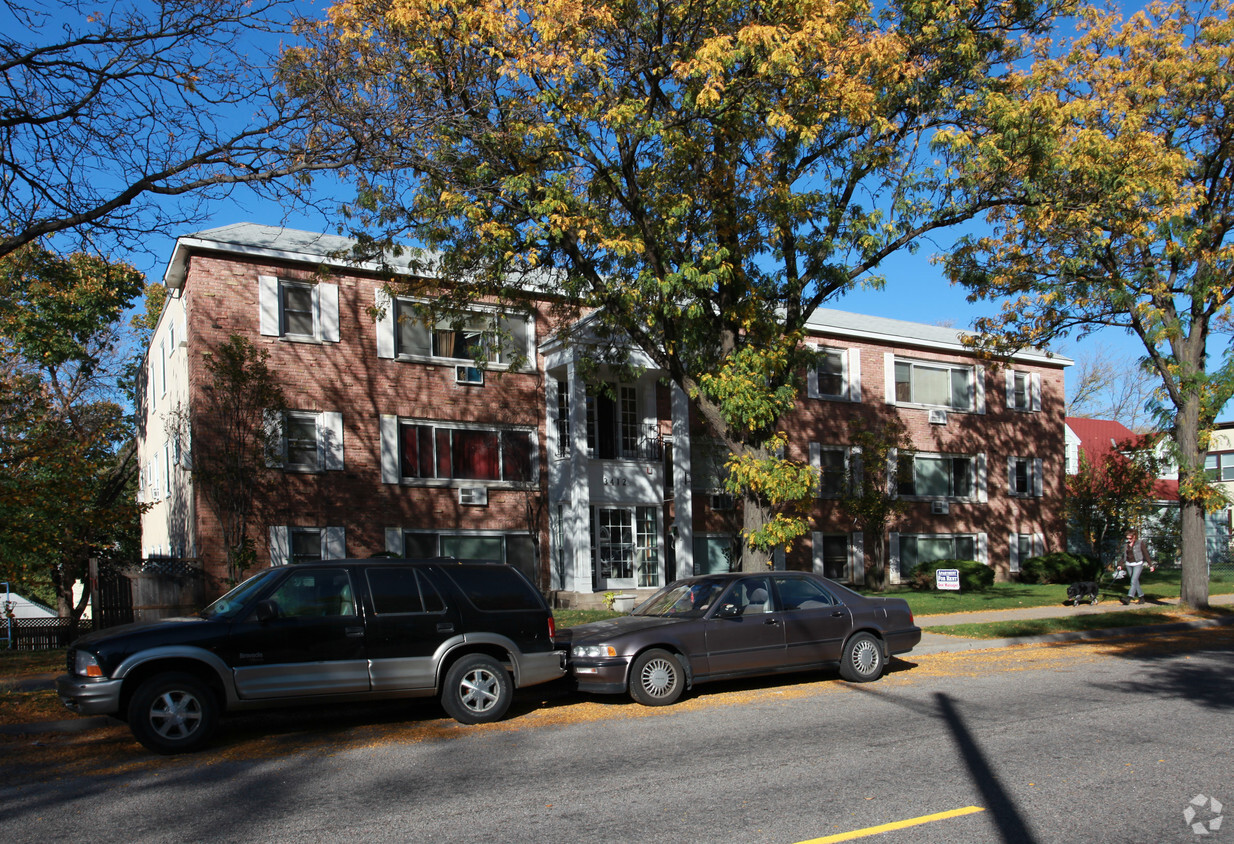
point(1096, 742)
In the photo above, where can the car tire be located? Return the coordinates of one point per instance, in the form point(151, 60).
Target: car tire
point(656, 678)
point(477, 690)
point(863, 659)
point(173, 713)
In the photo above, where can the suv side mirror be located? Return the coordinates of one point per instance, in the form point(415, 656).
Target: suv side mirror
point(267, 610)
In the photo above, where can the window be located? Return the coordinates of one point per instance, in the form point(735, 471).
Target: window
point(514, 549)
point(1024, 476)
point(714, 554)
point(831, 552)
point(1023, 547)
point(435, 452)
point(397, 590)
point(934, 384)
point(485, 336)
point(315, 594)
point(800, 593)
point(836, 374)
point(1023, 390)
point(293, 544)
point(306, 441)
point(613, 422)
point(1220, 466)
point(563, 420)
point(298, 310)
point(832, 465)
point(936, 476)
point(926, 548)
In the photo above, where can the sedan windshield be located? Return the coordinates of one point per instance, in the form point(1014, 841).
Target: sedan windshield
point(235, 601)
point(682, 600)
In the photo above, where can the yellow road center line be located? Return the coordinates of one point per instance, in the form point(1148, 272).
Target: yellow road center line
point(888, 827)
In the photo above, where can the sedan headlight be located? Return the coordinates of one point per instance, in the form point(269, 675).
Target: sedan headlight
point(87, 665)
point(594, 651)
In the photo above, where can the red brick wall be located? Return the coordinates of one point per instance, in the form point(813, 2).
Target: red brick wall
point(221, 297)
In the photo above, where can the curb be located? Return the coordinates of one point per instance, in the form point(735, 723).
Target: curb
point(71, 725)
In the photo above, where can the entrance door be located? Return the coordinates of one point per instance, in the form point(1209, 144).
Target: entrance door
point(615, 550)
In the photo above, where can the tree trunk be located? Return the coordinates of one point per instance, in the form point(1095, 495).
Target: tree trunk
point(753, 517)
point(876, 574)
point(1193, 543)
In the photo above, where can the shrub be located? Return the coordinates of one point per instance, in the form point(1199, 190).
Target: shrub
point(1058, 567)
point(974, 576)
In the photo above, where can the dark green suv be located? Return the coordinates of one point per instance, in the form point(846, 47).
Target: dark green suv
point(328, 632)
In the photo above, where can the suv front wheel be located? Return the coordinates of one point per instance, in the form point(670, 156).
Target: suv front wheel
point(173, 713)
point(477, 690)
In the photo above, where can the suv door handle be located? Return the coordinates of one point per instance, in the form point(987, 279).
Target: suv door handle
point(445, 627)
point(353, 632)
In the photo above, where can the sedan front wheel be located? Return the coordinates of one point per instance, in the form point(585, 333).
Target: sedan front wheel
point(656, 678)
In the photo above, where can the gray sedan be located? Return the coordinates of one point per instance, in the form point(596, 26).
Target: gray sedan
point(730, 625)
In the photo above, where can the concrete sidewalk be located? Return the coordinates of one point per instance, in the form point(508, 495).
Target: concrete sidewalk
point(932, 643)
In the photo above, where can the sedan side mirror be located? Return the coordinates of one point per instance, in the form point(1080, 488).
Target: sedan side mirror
point(728, 611)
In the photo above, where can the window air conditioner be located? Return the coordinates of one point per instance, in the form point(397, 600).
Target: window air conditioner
point(938, 417)
point(940, 508)
point(475, 496)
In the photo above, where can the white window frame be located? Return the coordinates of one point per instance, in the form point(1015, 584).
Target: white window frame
point(816, 462)
point(1031, 392)
point(850, 376)
point(390, 317)
point(981, 547)
point(1036, 547)
point(328, 434)
point(977, 476)
point(1034, 473)
point(333, 542)
point(324, 308)
point(392, 457)
point(976, 391)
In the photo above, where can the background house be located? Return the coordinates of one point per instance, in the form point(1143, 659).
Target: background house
point(397, 439)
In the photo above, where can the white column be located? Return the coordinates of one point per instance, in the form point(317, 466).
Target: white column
point(682, 494)
point(576, 527)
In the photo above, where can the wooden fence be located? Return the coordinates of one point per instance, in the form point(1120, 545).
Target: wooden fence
point(39, 634)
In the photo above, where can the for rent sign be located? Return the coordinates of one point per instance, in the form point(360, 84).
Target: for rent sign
point(947, 579)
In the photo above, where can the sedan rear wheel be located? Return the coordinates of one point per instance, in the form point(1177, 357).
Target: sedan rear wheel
point(656, 678)
point(863, 659)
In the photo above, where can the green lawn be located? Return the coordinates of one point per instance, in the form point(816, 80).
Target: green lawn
point(1163, 583)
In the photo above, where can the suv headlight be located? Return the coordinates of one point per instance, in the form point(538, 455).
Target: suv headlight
point(594, 651)
point(87, 665)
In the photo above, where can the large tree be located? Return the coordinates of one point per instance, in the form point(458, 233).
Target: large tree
point(1121, 141)
point(117, 119)
point(701, 175)
point(67, 455)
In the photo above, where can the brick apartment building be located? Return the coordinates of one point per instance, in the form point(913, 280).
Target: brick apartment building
point(394, 441)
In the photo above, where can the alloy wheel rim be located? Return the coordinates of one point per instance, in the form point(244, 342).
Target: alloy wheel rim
point(658, 677)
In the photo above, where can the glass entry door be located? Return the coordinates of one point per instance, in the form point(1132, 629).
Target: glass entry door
point(624, 548)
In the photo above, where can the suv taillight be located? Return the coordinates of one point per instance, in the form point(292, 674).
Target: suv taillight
point(552, 628)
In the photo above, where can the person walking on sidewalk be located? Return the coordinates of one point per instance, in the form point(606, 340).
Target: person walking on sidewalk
point(1135, 557)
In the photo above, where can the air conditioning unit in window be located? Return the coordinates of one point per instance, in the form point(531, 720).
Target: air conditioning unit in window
point(938, 417)
point(721, 501)
point(475, 496)
point(468, 375)
point(940, 508)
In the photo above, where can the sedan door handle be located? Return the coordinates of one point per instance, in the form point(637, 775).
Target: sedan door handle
point(772, 621)
point(445, 627)
point(838, 614)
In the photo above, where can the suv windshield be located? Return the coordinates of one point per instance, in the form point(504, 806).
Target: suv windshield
point(234, 602)
point(690, 599)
